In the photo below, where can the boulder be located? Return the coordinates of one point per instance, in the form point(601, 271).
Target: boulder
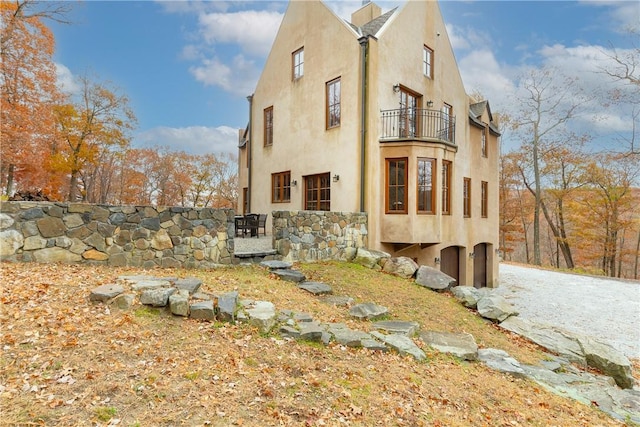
point(5, 221)
point(158, 297)
point(290, 275)
point(105, 292)
point(368, 310)
point(607, 360)
point(51, 226)
point(370, 259)
point(501, 361)
point(346, 336)
point(202, 310)
point(467, 295)
point(123, 301)
point(95, 255)
point(179, 303)
point(52, 255)
point(190, 284)
point(276, 265)
point(227, 305)
point(460, 345)
point(316, 288)
point(397, 327)
point(337, 300)
point(311, 331)
point(402, 266)
point(402, 344)
point(261, 314)
point(432, 278)
point(495, 307)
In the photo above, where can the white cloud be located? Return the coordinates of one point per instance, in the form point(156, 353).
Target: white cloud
point(238, 77)
point(253, 30)
point(66, 80)
point(193, 139)
point(624, 14)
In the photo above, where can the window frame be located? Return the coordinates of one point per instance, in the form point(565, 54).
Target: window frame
point(466, 197)
point(484, 199)
point(297, 64)
point(268, 126)
point(333, 110)
point(281, 190)
point(424, 201)
point(446, 187)
point(404, 185)
point(427, 61)
point(483, 142)
point(321, 189)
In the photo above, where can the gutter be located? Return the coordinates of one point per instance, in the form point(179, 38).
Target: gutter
point(364, 44)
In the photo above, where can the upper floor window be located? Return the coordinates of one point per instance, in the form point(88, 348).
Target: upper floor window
point(484, 205)
point(268, 126)
point(396, 188)
point(446, 187)
point(427, 62)
point(281, 187)
point(317, 192)
point(408, 119)
point(466, 197)
point(426, 183)
point(298, 63)
point(483, 141)
point(333, 103)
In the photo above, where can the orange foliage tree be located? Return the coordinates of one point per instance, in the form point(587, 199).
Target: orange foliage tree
point(29, 92)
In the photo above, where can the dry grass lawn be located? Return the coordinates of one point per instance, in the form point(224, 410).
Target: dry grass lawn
point(67, 362)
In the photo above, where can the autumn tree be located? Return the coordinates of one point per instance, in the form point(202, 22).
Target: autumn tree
point(548, 102)
point(29, 92)
point(99, 121)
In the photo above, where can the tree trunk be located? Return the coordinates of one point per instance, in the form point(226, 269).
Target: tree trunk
point(10, 171)
point(635, 266)
point(73, 186)
point(536, 213)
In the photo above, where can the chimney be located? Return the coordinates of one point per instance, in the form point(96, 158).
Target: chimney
point(367, 13)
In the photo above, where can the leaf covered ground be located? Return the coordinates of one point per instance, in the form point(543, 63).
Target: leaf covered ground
point(65, 361)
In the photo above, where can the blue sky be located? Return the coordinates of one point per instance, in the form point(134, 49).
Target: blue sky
point(187, 66)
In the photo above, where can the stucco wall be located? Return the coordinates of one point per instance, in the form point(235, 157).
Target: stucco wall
point(140, 236)
point(315, 235)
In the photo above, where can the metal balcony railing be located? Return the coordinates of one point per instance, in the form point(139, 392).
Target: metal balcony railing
point(418, 124)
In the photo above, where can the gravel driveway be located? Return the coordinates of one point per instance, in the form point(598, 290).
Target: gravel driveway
point(606, 309)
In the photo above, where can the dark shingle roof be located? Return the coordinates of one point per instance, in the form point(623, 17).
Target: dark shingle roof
point(476, 110)
point(371, 28)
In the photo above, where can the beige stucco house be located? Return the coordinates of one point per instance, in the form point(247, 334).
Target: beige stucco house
point(372, 116)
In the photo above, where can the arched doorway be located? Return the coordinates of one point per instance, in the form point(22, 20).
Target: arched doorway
point(480, 265)
point(450, 262)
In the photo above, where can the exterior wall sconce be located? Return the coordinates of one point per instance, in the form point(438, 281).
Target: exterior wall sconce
point(396, 88)
point(336, 178)
point(472, 255)
point(437, 260)
point(294, 183)
point(429, 103)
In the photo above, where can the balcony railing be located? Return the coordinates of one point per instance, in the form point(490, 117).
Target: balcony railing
point(418, 124)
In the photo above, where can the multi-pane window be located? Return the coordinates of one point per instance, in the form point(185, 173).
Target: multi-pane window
point(466, 197)
point(484, 205)
point(409, 104)
point(427, 62)
point(483, 142)
point(447, 122)
point(281, 187)
point(426, 185)
point(298, 63)
point(396, 177)
point(317, 190)
point(268, 126)
point(446, 187)
point(333, 103)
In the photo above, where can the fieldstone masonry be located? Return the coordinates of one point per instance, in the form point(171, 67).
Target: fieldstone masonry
point(139, 236)
point(315, 235)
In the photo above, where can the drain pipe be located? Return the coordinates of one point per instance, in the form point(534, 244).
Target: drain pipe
point(364, 43)
point(249, 156)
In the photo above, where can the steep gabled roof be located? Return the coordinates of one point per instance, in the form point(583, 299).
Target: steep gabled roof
point(475, 112)
point(372, 27)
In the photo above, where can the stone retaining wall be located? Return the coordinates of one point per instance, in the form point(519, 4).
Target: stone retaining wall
point(316, 235)
point(140, 236)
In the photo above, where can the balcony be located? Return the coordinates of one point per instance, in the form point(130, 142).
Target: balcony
point(418, 124)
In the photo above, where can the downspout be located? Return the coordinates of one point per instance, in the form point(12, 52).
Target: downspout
point(249, 156)
point(364, 43)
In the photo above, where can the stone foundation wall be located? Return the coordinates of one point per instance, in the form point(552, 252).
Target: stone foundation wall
point(316, 235)
point(140, 236)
